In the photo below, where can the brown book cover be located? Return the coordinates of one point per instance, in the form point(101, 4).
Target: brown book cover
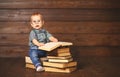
point(28, 60)
point(61, 60)
point(63, 50)
point(59, 57)
point(51, 64)
point(51, 69)
point(27, 65)
point(61, 70)
point(64, 54)
point(60, 65)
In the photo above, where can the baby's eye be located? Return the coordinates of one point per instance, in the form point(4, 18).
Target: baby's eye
point(38, 20)
point(34, 21)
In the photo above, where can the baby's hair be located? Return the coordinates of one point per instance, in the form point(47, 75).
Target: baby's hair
point(37, 14)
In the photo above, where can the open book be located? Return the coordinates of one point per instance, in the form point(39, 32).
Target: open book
point(53, 45)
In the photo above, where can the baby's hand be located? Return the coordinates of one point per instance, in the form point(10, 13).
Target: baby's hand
point(41, 44)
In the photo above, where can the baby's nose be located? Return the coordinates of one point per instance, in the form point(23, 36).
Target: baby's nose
point(36, 22)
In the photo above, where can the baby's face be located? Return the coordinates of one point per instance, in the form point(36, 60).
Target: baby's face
point(36, 22)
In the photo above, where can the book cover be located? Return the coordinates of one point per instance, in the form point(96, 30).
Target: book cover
point(52, 69)
point(57, 57)
point(63, 50)
point(28, 60)
point(64, 70)
point(61, 60)
point(27, 65)
point(53, 45)
point(64, 54)
point(60, 65)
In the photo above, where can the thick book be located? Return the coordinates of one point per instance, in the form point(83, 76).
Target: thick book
point(64, 54)
point(60, 65)
point(63, 50)
point(57, 57)
point(53, 45)
point(61, 70)
point(28, 60)
point(61, 60)
point(27, 65)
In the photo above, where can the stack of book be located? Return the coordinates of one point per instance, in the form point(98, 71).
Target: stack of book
point(61, 62)
point(29, 64)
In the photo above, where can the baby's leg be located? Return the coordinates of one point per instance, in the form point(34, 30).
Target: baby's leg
point(33, 53)
point(42, 53)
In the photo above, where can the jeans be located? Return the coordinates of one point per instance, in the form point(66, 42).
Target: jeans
point(35, 56)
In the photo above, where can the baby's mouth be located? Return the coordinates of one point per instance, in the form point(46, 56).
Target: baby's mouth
point(37, 26)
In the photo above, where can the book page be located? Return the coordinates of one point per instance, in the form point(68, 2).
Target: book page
point(50, 46)
point(53, 45)
point(65, 43)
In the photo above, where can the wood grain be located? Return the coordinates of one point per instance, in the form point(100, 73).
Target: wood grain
point(13, 51)
point(77, 39)
point(63, 27)
point(111, 51)
point(60, 4)
point(61, 14)
point(77, 51)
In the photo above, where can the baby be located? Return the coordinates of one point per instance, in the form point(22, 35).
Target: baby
point(38, 37)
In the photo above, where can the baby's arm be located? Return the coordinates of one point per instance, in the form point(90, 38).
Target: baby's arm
point(53, 39)
point(37, 43)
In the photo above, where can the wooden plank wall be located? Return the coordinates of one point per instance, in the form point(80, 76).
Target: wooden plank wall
point(92, 25)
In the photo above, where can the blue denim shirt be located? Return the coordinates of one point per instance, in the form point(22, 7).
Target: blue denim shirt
point(41, 35)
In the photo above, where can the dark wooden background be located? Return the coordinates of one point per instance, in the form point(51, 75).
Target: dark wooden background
point(92, 25)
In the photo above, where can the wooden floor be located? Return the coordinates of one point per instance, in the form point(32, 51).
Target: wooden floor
point(87, 67)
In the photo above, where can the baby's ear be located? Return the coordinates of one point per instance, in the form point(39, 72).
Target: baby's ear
point(42, 22)
point(30, 23)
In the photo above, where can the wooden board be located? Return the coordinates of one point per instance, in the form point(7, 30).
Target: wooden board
point(77, 39)
point(77, 51)
point(60, 4)
point(62, 27)
point(62, 14)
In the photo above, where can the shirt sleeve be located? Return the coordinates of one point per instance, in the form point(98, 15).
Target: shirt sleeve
point(48, 34)
point(32, 35)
